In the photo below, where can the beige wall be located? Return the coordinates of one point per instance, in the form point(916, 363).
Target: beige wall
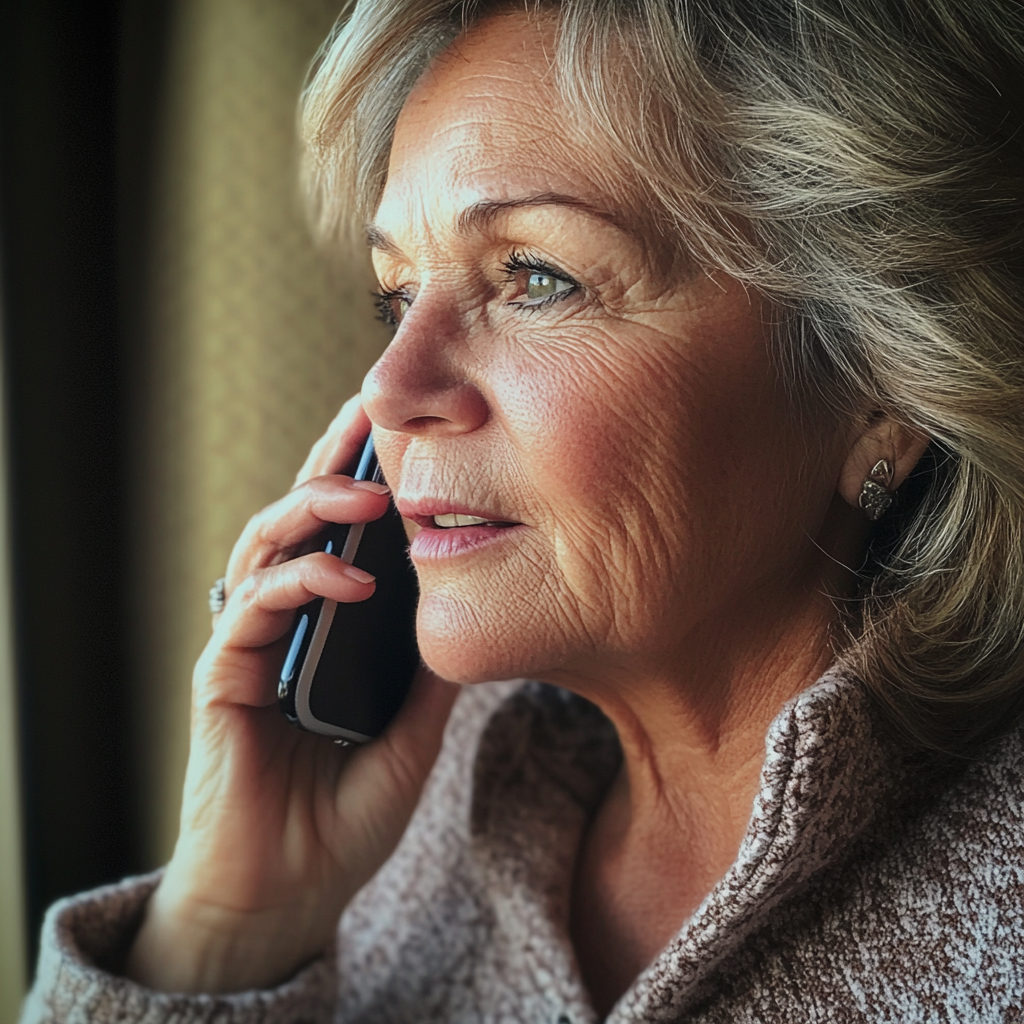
point(254, 341)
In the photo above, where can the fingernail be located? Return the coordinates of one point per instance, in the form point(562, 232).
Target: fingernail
point(353, 572)
point(371, 485)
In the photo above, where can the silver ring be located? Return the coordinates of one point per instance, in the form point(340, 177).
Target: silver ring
point(217, 597)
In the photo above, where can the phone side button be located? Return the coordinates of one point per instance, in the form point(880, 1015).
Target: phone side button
point(288, 671)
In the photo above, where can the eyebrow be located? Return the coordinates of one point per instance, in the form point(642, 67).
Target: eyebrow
point(480, 215)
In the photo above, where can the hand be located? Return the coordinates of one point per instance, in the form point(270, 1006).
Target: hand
point(279, 827)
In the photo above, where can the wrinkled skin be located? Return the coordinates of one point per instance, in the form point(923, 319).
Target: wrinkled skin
point(680, 534)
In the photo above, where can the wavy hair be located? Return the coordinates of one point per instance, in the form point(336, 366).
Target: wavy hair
point(862, 165)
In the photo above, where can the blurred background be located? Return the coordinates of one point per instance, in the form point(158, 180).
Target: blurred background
point(172, 345)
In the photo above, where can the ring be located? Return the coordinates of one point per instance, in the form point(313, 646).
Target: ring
point(217, 597)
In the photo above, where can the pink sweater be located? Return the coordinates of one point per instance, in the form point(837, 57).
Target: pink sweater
point(862, 891)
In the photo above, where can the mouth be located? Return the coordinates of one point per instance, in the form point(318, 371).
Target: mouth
point(449, 529)
point(445, 514)
point(457, 520)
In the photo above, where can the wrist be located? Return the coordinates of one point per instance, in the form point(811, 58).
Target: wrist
point(194, 947)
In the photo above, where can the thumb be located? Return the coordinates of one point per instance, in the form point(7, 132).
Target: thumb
point(381, 783)
point(414, 737)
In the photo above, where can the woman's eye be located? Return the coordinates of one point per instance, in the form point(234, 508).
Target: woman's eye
point(540, 286)
point(392, 306)
point(537, 284)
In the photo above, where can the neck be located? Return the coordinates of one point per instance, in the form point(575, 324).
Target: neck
point(692, 726)
point(692, 736)
point(692, 712)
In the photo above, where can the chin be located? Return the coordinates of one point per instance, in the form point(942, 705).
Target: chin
point(467, 644)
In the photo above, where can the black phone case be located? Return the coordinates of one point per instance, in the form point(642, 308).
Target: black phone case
point(349, 666)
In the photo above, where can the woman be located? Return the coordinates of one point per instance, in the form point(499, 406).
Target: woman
point(684, 297)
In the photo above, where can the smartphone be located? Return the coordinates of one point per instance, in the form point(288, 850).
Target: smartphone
point(349, 666)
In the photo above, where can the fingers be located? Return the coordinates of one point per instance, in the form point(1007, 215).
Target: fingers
point(265, 582)
point(340, 445)
point(240, 663)
point(261, 609)
point(276, 533)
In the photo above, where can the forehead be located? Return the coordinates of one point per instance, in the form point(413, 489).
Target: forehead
point(486, 122)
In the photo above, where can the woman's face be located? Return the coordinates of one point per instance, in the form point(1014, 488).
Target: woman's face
point(626, 421)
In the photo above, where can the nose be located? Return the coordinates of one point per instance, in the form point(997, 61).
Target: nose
point(419, 385)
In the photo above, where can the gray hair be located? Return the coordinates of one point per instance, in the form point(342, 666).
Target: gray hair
point(861, 164)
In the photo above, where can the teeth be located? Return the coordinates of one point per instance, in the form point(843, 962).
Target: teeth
point(450, 519)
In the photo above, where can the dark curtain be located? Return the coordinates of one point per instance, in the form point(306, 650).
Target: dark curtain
point(79, 81)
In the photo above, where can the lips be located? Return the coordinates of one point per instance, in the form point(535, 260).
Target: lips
point(453, 529)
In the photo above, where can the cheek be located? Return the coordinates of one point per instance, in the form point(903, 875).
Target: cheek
point(584, 418)
point(655, 474)
point(665, 468)
point(606, 436)
point(601, 486)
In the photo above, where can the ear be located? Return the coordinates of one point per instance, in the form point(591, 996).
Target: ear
point(882, 438)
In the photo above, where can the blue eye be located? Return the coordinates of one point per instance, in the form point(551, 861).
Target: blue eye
point(543, 285)
point(540, 283)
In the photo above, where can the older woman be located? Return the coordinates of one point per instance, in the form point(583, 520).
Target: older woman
point(686, 296)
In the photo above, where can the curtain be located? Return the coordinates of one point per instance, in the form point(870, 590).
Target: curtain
point(254, 339)
point(172, 345)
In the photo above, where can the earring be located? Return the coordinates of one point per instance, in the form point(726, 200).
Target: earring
point(875, 497)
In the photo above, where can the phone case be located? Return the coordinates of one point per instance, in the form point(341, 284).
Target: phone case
point(349, 666)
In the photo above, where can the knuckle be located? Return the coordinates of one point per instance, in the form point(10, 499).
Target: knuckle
point(262, 536)
point(253, 536)
point(249, 592)
point(262, 524)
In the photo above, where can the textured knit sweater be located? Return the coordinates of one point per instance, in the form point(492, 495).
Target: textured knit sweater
point(863, 890)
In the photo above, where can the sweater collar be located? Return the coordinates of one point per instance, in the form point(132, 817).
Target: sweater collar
point(547, 757)
point(827, 775)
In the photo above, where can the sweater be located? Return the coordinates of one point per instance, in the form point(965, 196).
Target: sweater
point(865, 889)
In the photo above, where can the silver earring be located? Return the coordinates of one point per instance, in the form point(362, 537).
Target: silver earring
point(875, 497)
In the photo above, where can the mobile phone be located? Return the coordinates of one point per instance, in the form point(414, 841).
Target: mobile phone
point(349, 666)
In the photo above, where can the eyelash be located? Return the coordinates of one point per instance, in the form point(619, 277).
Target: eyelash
point(517, 261)
point(514, 263)
point(384, 300)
